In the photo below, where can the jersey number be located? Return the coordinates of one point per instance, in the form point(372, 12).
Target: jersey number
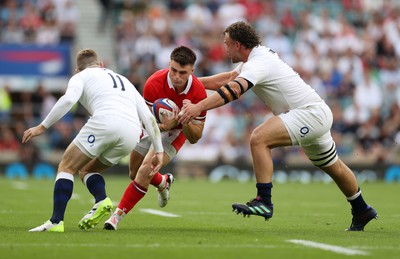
point(115, 82)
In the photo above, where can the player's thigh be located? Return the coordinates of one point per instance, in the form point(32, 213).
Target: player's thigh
point(271, 133)
point(144, 149)
point(123, 136)
point(94, 166)
point(73, 160)
point(122, 148)
point(307, 125)
point(144, 146)
point(95, 136)
point(322, 151)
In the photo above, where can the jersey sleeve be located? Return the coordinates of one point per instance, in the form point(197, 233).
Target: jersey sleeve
point(66, 102)
point(149, 91)
point(149, 122)
point(252, 73)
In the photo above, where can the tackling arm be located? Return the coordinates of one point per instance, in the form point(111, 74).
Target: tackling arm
point(215, 81)
point(227, 93)
point(234, 89)
point(65, 103)
point(62, 106)
point(149, 122)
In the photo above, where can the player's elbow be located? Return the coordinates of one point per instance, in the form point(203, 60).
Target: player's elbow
point(193, 132)
point(195, 139)
point(67, 101)
point(71, 103)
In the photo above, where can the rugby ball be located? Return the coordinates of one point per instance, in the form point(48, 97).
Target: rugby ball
point(163, 106)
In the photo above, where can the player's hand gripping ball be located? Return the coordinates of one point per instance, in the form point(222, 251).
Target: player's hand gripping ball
point(163, 106)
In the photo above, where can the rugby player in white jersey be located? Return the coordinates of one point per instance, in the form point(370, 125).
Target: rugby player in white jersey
point(117, 112)
point(300, 118)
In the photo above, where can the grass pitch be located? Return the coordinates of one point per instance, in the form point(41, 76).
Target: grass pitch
point(309, 222)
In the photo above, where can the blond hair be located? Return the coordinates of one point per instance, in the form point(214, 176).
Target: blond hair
point(86, 58)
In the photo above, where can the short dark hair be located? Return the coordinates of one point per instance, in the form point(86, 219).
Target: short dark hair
point(85, 58)
point(243, 33)
point(183, 56)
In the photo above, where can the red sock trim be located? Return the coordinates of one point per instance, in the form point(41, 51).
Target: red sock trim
point(132, 195)
point(157, 179)
point(138, 187)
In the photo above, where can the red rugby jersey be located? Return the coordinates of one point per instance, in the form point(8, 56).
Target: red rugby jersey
point(157, 86)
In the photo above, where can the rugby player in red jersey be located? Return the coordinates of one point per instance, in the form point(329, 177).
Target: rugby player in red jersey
point(178, 84)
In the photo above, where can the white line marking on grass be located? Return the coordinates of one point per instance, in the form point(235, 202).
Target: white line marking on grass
point(20, 185)
point(332, 248)
point(75, 196)
point(160, 213)
point(155, 245)
point(377, 247)
point(206, 213)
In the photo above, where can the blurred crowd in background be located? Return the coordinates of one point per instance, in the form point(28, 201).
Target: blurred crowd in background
point(347, 50)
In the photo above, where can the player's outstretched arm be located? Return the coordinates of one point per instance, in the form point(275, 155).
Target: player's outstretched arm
point(225, 94)
point(33, 132)
point(149, 122)
point(215, 81)
point(157, 162)
point(66, 102)
point(62, 106)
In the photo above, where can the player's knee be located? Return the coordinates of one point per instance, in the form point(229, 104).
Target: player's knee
point(257, 139)
point(144, 172)
point(67, 169)
point(132, 175)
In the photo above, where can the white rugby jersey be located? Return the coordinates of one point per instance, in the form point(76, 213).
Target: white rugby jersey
point(104, 92)
point(275, 82)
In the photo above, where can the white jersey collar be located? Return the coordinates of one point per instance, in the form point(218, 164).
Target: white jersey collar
point(188, 85)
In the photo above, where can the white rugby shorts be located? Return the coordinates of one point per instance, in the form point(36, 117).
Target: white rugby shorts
point(167, 137)
point(309, 127)
point(109, 138)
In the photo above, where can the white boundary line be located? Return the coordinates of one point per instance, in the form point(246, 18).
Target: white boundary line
point(332, 248)
point(160, 213)
point(154, 245)
point(210, 246)
point(19, 185)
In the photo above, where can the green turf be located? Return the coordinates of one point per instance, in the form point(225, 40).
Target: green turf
point(207, 227)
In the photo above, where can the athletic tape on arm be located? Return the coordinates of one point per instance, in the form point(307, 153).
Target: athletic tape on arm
point(229, 94)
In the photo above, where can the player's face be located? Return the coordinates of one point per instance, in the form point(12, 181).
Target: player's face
point(178, 74)
point(232, 48)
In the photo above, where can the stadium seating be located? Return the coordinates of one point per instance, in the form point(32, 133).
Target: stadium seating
point(43, 170)
point(15, 170)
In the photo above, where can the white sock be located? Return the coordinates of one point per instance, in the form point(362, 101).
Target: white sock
point(86, 177)
point(120, 213)
point(355, 196)
point(64, 175)
point(162, 184)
